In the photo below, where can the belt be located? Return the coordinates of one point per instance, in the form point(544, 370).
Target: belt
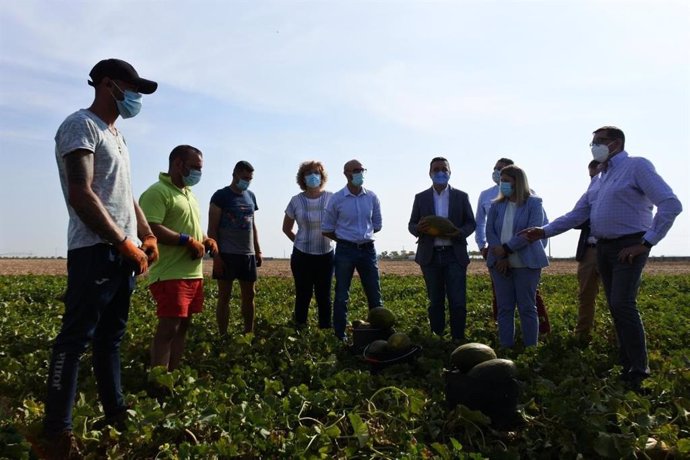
point(352, 244)
point(631, 236)
point(442, 248)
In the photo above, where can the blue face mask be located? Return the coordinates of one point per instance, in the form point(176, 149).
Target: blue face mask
point(312, 180)
point(496, 176)
point(242, 184)
point(192, 178)
point(357, 179)
point(130, 106)
point(440, 177)
point(506, 188)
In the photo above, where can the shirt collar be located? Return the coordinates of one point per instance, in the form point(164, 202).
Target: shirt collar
point(442, 192)
point(617, 158)
point(348, 192)
point(167, 180)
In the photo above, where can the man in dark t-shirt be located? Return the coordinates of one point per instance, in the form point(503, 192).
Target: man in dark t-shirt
point(231, 224)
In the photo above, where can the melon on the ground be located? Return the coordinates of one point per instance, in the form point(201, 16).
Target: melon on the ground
point(490, 387)
point(494, 371)
point(399, 342)
point(496, 399)
point(466, 356)
point(438, 225)
point(378, 348)
point(381, 318)
point(357, 323)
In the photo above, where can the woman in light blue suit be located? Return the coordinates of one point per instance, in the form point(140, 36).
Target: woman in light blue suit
point(514, 263)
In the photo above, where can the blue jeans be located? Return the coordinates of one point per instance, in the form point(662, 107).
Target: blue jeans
point(621, 282)
point(313, 274)
point(517, 288)
point(99, 286)
point(347, 259)
point(445, 276)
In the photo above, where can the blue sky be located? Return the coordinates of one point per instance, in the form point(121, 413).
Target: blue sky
point(391, 83)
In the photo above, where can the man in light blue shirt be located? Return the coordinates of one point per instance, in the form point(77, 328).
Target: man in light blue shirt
point(352, 217)
point(619, 207)
point(484, 203)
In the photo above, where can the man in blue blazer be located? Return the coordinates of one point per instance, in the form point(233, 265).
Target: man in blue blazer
point(443, 258)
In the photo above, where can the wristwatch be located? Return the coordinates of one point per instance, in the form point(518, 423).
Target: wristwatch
point(646, 244)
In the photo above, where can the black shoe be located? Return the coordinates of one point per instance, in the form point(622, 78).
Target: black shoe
point(457, 341)
point(633, 382)
point(117, 421)
point(159, 392)
point(61, 446)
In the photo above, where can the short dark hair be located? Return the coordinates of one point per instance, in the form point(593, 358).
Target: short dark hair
point(613, 132)
point(435, 159)
point(183, 151)
point(505, 161)
point(243, 165)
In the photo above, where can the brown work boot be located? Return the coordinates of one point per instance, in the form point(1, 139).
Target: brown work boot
point(61, 446)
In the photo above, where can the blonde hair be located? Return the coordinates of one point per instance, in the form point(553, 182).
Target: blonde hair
point(521, 190)
point(308, 166)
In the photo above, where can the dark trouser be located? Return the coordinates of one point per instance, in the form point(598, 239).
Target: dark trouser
point(347, 259)
point(446, 277)
point(313, 274)
point(621, 282)
point(99, 286)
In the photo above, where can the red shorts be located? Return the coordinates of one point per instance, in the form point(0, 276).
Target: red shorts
point(178, 298)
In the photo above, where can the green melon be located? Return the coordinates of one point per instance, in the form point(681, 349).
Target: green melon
point(378, 348)
point(399, 342)
point(438, 225)
point(466, 356)
point(358, 323)
point(494, 371)
point(381, 318)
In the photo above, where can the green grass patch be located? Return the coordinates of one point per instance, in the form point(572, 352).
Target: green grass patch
point(286, 393)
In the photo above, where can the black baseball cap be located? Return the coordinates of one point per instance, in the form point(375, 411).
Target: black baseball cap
point(118, 69)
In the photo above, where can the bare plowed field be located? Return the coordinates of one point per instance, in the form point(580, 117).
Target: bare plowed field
point(281, 267)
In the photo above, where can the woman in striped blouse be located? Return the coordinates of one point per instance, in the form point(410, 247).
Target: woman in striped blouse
point(312, 255)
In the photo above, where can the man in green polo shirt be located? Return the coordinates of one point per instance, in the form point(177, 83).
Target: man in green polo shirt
point(176, 279)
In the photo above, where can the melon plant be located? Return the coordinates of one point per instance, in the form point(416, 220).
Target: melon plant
point(466, 356)
point(381, 318)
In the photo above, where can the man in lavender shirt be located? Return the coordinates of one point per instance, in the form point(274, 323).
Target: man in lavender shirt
point(619, 209)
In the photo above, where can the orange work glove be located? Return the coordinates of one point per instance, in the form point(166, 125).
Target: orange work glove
point(150, 246)
point(131, 252)
point(196, 249)
point(211, 246)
